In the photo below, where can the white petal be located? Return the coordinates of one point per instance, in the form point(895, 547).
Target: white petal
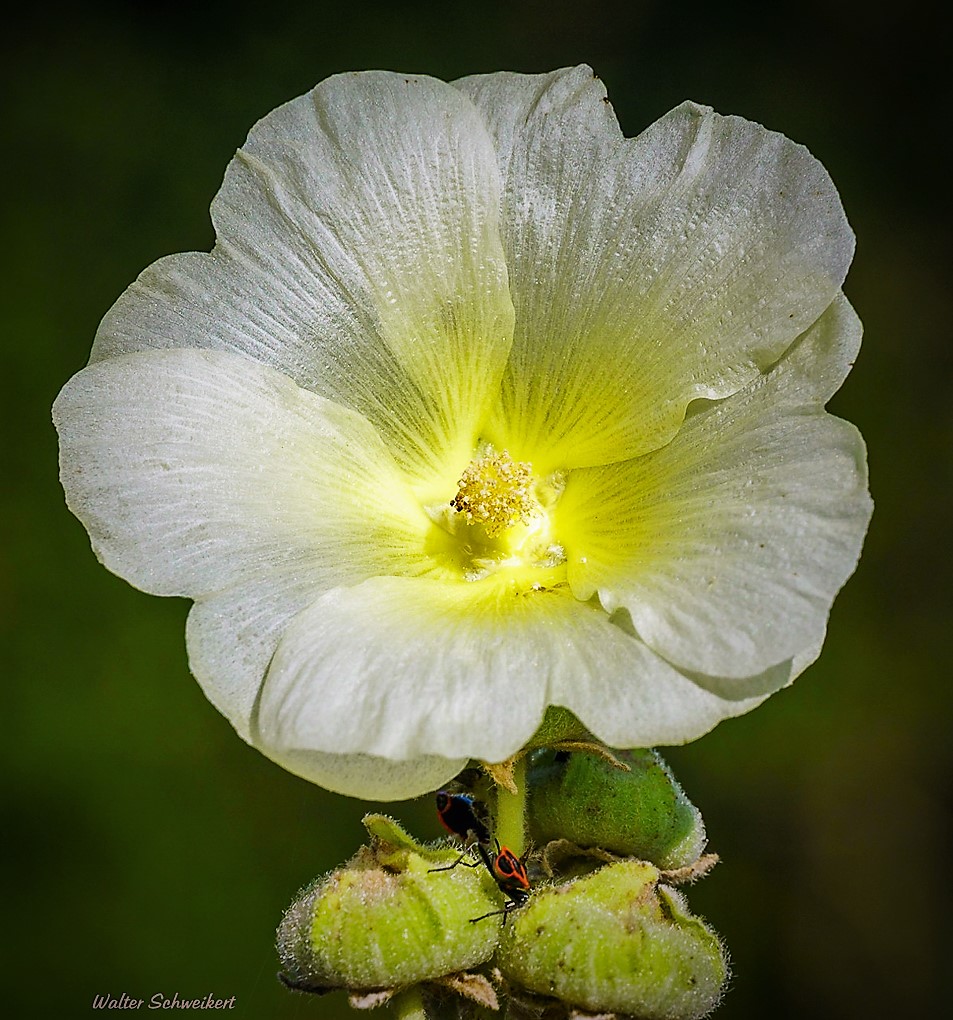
point(195, 470)
point(232, 635)
point(402, 669)
point(814, 368)
point(406, 667)
point(728, 545)
point(628, 696)
point(646, 272)
point(358, 251)
point(755, 689)
point(368, 776)
point(206, 474)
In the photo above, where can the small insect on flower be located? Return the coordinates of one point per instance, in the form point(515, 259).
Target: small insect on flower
point(509, 873)
point(462, 816)
point(459, 815)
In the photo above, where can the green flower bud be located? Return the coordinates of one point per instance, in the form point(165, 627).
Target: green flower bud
point(386, 919)
point(615, 942)
point(640, 813)
point(558, 725)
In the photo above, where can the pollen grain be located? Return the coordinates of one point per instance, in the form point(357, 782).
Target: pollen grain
point(497, 492)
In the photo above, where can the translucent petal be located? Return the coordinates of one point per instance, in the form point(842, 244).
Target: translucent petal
point(368, 776)
point(358, 251)
point(631, 697)
point(193, 470)
point(232, 635)
point(728, 545)
point(209, 475)
point(645, 272)
point(406, 667)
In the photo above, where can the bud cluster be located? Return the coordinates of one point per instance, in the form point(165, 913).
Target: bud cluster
point(588, 923)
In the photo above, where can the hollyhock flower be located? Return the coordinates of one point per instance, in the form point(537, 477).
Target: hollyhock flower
point(478, 407)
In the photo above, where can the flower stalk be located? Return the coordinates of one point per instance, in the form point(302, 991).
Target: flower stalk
point(511, 804)
point(409, 1004)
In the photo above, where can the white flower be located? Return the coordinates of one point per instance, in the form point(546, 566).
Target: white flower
point(478, 407)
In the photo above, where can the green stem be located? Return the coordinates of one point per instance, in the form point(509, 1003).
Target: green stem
point(409, 1004)
point(511, 811)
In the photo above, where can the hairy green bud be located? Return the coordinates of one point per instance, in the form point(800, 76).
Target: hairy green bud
point(588, 801)
point(616, 941)
point(558, 725)
point(386, 919)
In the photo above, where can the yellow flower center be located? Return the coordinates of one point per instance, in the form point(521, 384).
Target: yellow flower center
point(496, 491)
point(499, 519)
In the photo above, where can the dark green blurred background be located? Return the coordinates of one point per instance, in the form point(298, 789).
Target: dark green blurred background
point(148, 849)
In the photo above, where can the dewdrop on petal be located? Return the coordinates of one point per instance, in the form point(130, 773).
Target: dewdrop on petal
point(616, 941)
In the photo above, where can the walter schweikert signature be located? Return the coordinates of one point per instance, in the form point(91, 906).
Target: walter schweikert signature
point(161, 1001)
